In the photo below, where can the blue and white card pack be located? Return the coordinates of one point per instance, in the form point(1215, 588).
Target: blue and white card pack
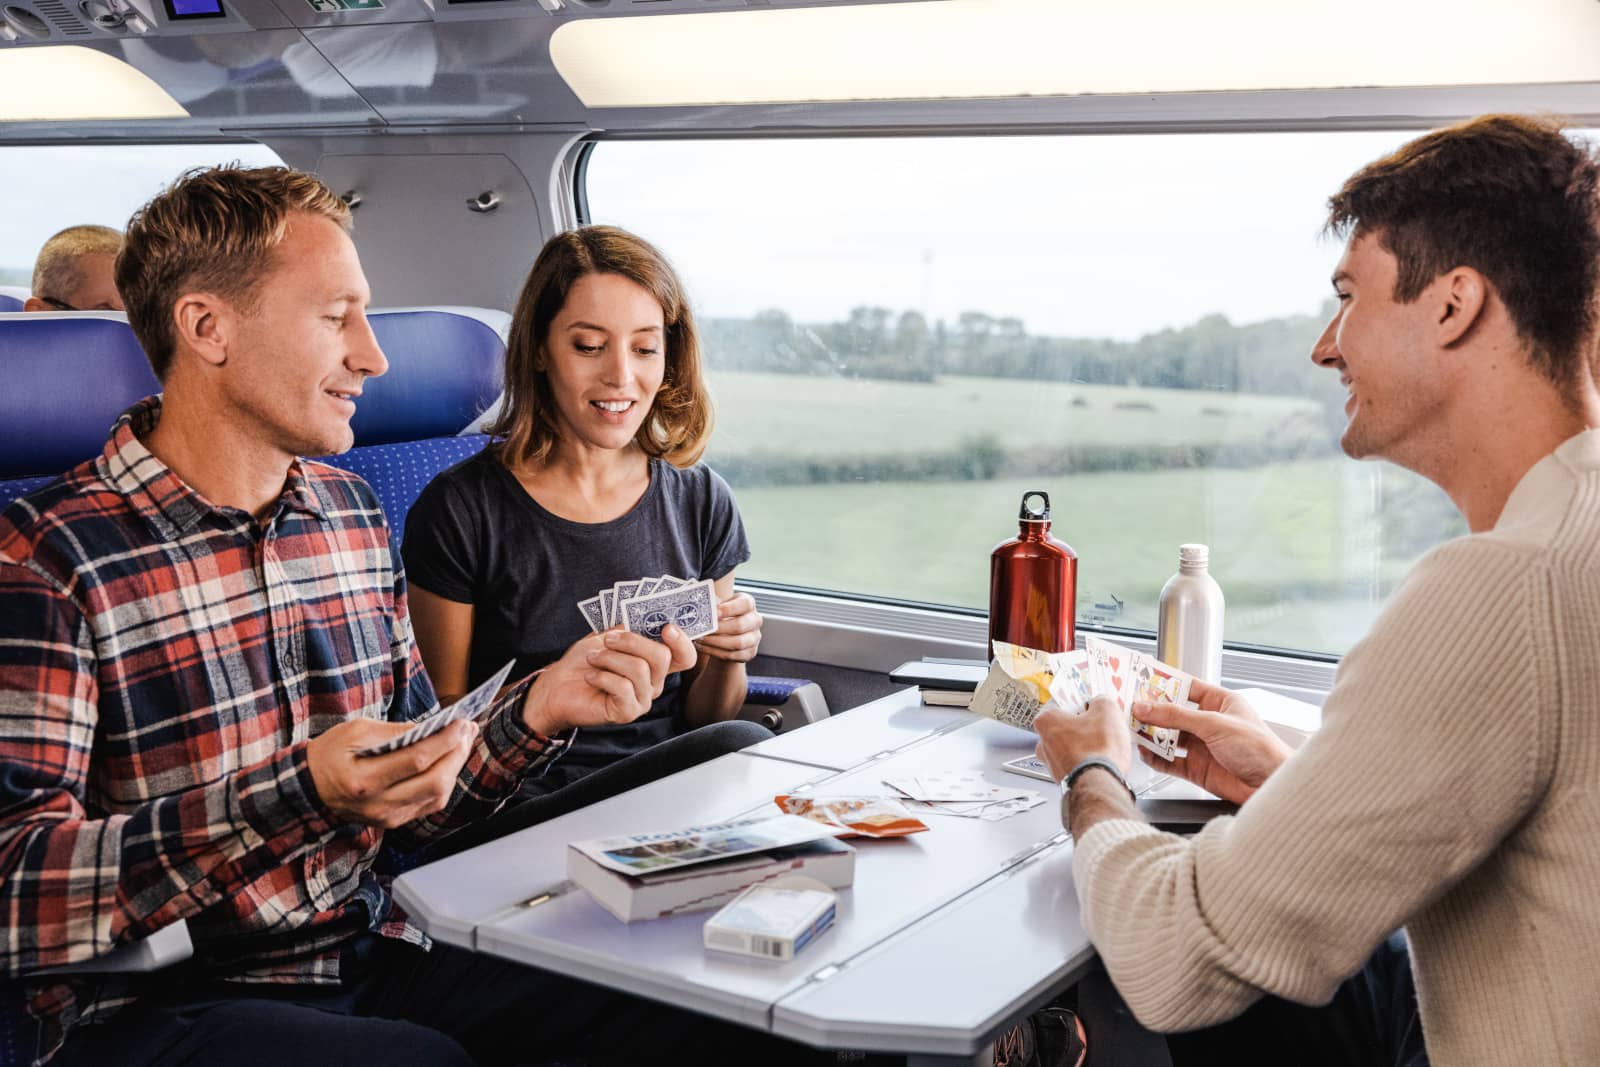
point(471, 706)
point(771, 921)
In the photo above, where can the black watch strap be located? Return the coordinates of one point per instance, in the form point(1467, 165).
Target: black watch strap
point(1092, 762)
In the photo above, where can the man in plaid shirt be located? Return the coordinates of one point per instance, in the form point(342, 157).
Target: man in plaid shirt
point(198, 631)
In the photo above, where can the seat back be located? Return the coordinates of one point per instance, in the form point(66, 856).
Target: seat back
point(68, 376)
point(444, 369)
point(10, 303)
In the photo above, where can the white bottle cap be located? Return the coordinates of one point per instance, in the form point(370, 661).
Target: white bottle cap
point(1193, 556)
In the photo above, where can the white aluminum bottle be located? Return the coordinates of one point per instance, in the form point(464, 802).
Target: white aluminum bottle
point(1189, 626)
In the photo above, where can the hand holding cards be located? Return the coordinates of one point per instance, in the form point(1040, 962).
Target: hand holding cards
point(471, 706)
point(648, 605)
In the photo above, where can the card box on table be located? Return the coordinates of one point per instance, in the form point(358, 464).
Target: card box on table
point(704, 886)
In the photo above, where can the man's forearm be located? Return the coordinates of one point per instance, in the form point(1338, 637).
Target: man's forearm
point(1095, 797)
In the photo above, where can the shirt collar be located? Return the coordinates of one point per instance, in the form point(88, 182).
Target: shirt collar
point(158, 493)
point(1550, 479)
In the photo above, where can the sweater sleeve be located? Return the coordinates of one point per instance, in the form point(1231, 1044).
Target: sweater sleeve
point(1436, 740)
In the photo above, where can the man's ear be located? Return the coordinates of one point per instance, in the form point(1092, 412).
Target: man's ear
point(33, 303)
point(203, 323)
point(1463, 293)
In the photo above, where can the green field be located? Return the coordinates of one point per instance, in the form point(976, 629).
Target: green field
point(1305, 550)
point(1294, 546)
point(781, 414)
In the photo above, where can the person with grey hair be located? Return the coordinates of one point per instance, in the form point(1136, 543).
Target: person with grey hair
point(74, 271)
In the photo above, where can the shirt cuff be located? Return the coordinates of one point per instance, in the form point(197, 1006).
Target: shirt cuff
point(278, 799)
point(515, 750)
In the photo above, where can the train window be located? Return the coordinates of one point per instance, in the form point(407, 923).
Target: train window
point(905, 334)
point(50, 188)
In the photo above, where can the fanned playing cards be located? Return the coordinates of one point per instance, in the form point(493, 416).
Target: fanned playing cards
point(471, 706)
point(648, 605)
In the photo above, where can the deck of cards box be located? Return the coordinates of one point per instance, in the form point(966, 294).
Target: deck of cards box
point(771, 921)
point(647, 605)
point(649, 876)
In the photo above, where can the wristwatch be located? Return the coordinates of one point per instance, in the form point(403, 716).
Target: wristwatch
point(1096, 761)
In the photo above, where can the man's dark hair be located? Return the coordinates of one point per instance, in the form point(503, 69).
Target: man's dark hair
point(1510, 196)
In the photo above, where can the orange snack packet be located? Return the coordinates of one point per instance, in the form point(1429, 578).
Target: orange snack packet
point(855, 816)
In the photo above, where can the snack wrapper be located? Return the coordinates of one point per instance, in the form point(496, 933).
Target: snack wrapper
point(855, 816)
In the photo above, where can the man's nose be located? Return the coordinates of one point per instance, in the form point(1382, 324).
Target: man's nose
point(1325, 353)
point(365, 355)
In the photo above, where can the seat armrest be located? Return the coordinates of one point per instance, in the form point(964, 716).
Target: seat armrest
point(799, 701)
point(168, 945)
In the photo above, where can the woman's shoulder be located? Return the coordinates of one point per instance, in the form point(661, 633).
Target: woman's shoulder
point(697, 480)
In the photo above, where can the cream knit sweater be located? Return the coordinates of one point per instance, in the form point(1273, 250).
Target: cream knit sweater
point(1454, 789)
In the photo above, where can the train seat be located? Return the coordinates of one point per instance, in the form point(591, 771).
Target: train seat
point(444, 370)
point(12, 298)
point(68, 376)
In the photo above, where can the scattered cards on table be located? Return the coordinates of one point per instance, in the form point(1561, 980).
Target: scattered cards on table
point(471, 706)
point(647, 605)
point(962, 793)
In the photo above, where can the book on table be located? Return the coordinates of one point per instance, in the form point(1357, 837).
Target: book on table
point(647, 876)
point(945, 682)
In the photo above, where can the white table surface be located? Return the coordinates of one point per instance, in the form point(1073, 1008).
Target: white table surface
point(852, 737)
point(943, 938)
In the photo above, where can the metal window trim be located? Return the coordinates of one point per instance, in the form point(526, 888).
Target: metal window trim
point(876, 636)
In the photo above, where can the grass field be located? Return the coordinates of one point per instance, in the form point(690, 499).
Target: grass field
point(768, 414)
point(1299, 547)
point(1294, 546)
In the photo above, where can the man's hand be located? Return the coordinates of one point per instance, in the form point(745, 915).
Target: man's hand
point(738, 632)
point(609, 677)
point(395, 788)
point(1231, 751)
point(1066, 740)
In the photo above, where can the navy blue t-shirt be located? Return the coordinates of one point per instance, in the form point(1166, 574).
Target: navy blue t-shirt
point(476, 537)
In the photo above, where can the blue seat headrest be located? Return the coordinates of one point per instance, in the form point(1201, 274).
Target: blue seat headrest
point(10, 303)
point(67, 378)
point(444, 370)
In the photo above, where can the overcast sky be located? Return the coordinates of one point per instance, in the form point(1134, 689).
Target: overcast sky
point(1082, 236)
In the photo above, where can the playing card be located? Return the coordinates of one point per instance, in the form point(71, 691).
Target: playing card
point(692, 609)
point(608, 608)
point(952, 786)
point(623, 591)
point(667, 582)
point(646, 587)
point(1157, 682)
point(1108, 664)
point(471, 706)
point(591, 613)
point(1070, 685)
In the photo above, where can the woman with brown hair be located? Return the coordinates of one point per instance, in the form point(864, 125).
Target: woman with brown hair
point(594, 479)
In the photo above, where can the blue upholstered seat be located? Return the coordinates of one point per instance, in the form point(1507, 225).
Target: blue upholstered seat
point(10, 303)
point(399, 472)
point(67, 378)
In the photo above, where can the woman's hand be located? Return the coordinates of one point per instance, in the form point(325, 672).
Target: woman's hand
point(738, 633)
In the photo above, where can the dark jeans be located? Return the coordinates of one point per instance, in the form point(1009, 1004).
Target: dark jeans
point(403, 1007)
point(538, 804)
point(1372, 1021)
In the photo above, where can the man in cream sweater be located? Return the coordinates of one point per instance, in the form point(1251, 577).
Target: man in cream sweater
point(1454, 789)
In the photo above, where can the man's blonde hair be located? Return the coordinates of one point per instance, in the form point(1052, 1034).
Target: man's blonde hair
point(212, 231)
point(56, 272)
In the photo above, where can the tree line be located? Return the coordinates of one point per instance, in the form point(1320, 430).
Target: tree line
point(1269, 357)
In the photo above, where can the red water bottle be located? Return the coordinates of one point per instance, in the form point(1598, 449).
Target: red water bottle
point(1033, 583)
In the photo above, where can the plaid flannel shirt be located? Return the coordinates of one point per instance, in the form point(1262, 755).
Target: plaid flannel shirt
point(163, 663)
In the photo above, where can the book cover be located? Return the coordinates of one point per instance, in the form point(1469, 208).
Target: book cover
point(703, 886)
